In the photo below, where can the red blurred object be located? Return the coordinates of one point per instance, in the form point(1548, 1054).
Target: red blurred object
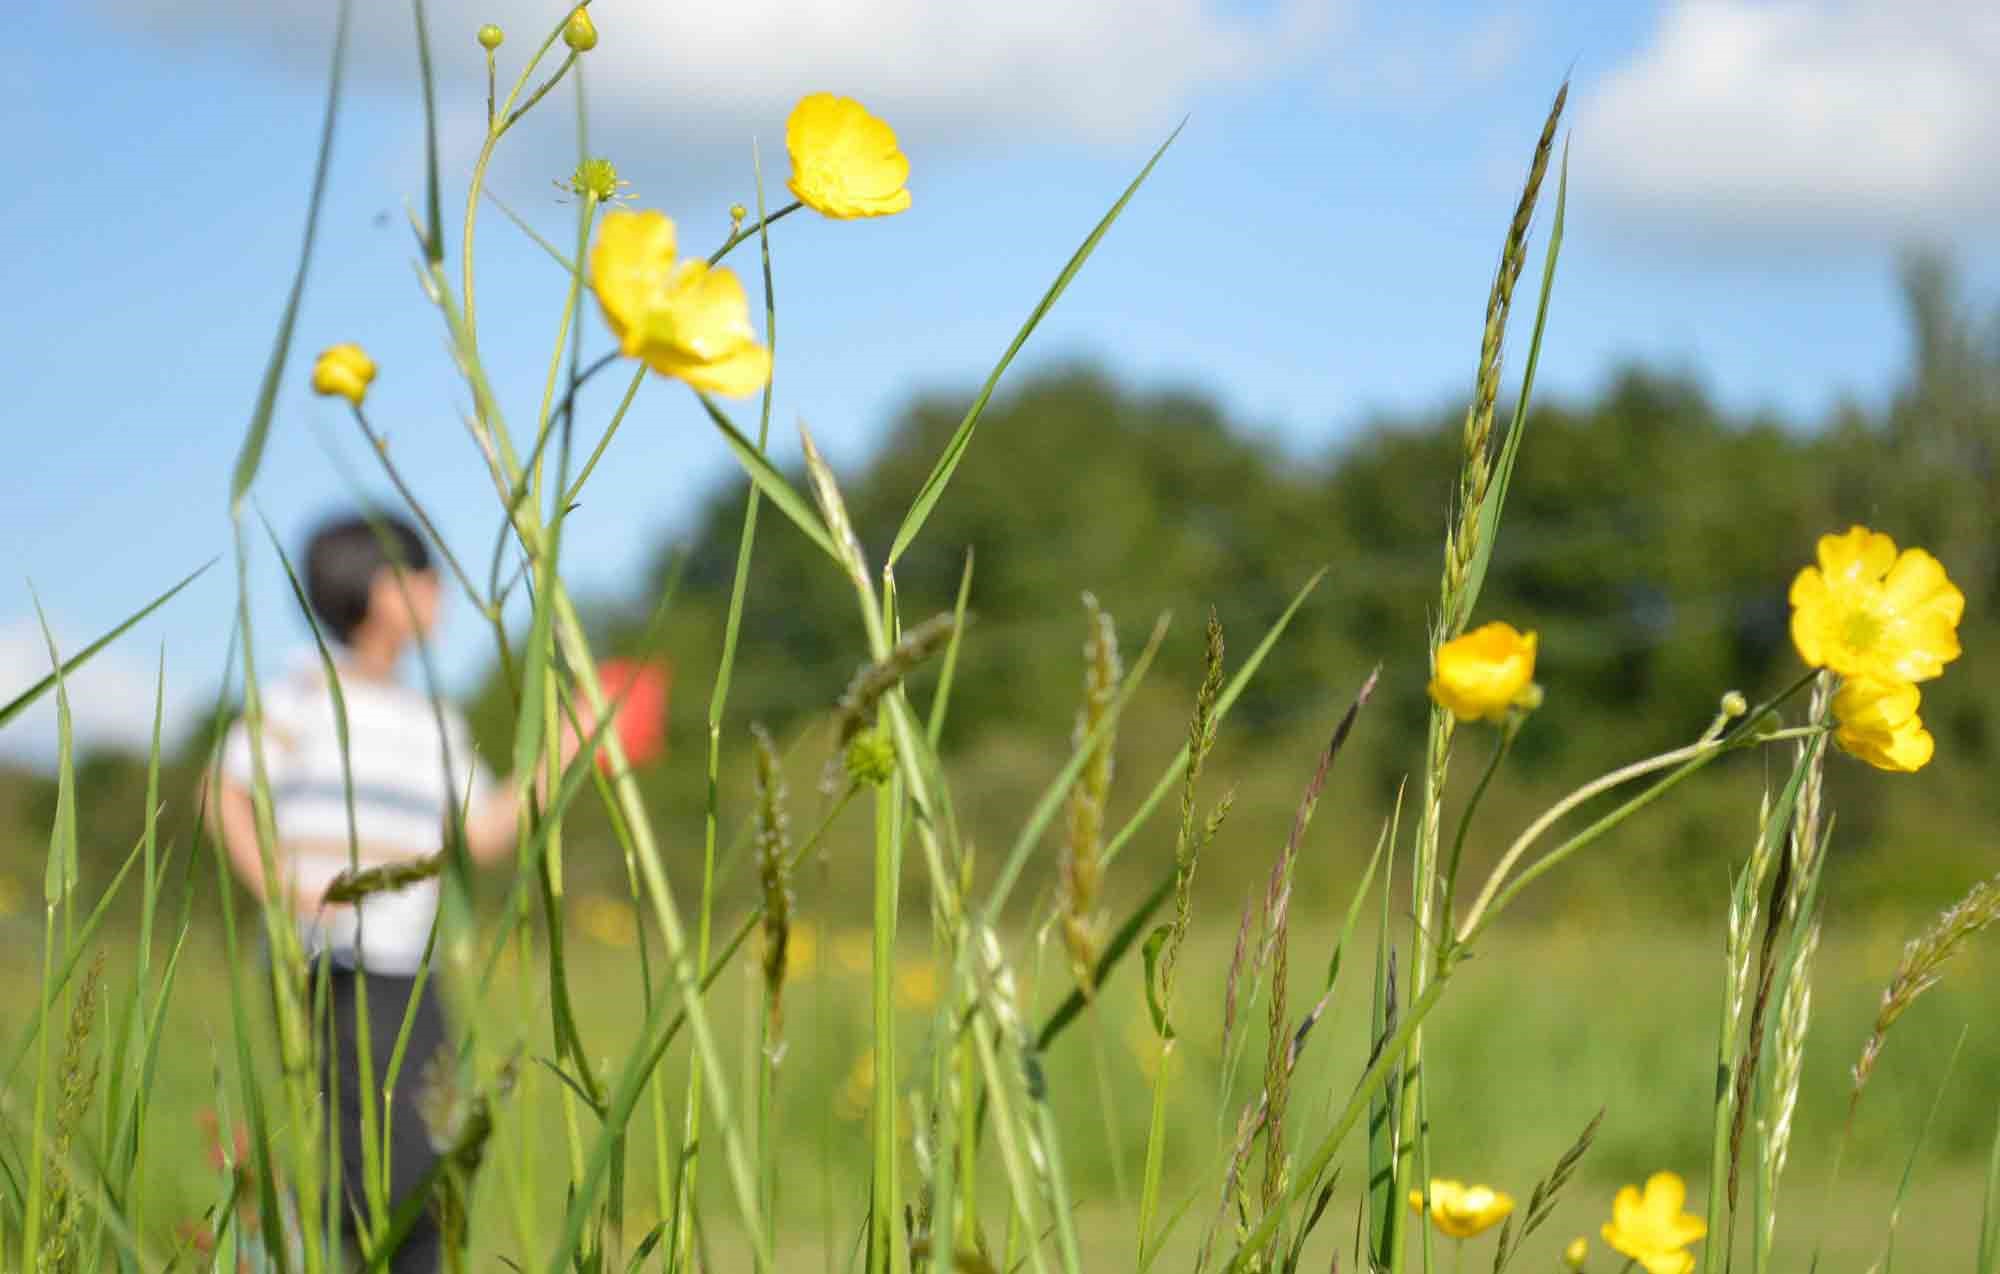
point(638, 691)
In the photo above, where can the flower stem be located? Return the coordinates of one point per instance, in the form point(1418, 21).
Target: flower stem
point(744, 232)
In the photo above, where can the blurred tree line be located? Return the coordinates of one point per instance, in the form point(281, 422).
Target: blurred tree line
point(1651, 537)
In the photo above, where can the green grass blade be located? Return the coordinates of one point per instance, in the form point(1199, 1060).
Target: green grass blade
point(948, 669)
point(1888, 1263)
point(60, 876)
point(1503, 472)
point(766, 476)
point(433, 216)
point(252, 453)
point(954, 451)
point(1989, 1217)
point(26, 699)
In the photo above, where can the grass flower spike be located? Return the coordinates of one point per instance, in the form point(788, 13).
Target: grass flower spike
point(1486, 673)
point(1460, 1211)
point(680, 317)
point(343, 371)
point(1650, 1227)
point(845, 162)
point(1868, 611)
point(1877, 721)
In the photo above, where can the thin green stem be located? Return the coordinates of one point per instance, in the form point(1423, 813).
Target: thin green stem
point(597, 453)
point(1500, 750)
point(756, 227)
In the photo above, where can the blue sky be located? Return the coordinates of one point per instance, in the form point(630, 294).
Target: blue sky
point(1314, 250)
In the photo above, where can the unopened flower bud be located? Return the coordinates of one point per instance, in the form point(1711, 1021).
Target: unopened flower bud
point(736, 214)
point(1575, 1254)
point(343, 371)
point(1734, 705)
point(580, 33)
point(490, 37)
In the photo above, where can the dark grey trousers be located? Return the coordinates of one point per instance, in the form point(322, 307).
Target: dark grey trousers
point(410, 1153)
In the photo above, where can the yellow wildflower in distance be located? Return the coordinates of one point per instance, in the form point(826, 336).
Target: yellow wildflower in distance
point(1460, 1211)
point(1577, 1252)
point(679, 317)
point(1866, 610)
point(1650, 1227)
point(1486, 673)
point(343, 371)
point(845, 162)
point(1877, 721)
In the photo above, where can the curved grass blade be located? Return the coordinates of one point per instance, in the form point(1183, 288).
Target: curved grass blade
point(22, 702)
point(961, 438)
point(771, 482)
point(252, 453)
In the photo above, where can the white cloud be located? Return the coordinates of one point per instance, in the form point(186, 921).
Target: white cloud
point(1839, 119)
point(1106, 69)
point(110, 698)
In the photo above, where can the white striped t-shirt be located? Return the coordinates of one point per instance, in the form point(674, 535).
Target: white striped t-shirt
point(402, 801)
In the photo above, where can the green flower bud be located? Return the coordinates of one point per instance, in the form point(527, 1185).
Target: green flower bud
point(1734, 704)
point(597, 178)
point(736, 214)
point(870, 759)
point(580, 33)
point(490, 37)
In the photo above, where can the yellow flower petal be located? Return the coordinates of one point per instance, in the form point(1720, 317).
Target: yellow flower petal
point(845, 162)
point(1485, 673)
point(1460, 1211)
point(1867, 611)
point(1650, 1227)
point(681, 318)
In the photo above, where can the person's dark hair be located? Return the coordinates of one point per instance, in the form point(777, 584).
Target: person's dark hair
point(342, 558)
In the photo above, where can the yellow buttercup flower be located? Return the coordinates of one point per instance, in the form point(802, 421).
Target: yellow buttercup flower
point(1868, 611)
point(1577, 1252)
point(1877, 721)
point(343, 371)
point(1485, 673)
point(1650, 1227)
point(1460, 1211)
point(845, 162)
point(679, 317)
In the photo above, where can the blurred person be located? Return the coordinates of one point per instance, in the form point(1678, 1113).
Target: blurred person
point(375, 595)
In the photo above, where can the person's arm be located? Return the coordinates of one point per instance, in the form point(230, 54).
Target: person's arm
point(232, 819)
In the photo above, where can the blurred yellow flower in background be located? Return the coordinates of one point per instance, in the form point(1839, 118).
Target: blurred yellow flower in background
point(679, 317)
point(916, 984)
point(1577, 1252)
point(1650, 1227)
point(857, 1091)
point(1877, 721)
point(802, 949)
point(1866, 610)
point(854, 950)
point(1460, 1211)
point(343, 371)
point(845, 162)
point(1486, 673)
point(607, 920)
